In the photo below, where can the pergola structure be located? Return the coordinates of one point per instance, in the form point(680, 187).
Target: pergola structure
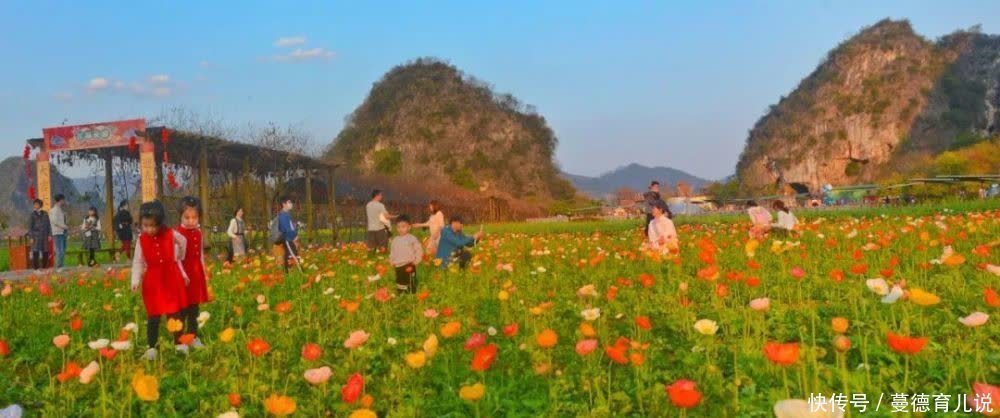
point(156, 148)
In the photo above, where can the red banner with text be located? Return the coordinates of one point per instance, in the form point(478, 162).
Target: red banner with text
point(93, 135)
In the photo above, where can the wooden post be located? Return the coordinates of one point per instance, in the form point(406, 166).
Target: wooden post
point(43, 176)
point(267, 200)
point(332, 203)
point(148, 169)
point(109, 199)
point(203, 183)
point(309, 205)
point(159, 178)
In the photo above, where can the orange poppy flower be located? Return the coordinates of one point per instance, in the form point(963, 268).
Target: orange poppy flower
point(312, 351)
point(837, 275)
point(484, 357)
point(75, 323)
point(186, 339)
point(70, 371)
point(279, 405)
point(450, 329)
point(547, 338)
point(991, 298)
point(859, 268)
point(637, 359)
point(258, 347)
point(234, 399)
point(904, 344)
point(647, 280)
point(283, 307)
point(612, 293)
point(617, 352)
point(782, 354)
point(709, 273)
point(350, 392)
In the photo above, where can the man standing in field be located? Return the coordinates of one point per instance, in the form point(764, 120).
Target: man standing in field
point(58, 220)
point(650, 198)
point(377, 237)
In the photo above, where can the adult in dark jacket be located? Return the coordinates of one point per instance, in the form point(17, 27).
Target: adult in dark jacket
point(453, 243)
point(123, 227)
point(39, 231)
point(650, 198)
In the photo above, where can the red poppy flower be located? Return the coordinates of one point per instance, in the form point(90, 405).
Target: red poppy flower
point(991, 298)
point(684, 394)
point(510, 330)
point(71, 371)
point(283, 307)
point(753, 264)
point(709, 273)
point(617, 352)
point(484, 357)
point(612, 293)
point(350, 392)
point(753, 281)
point(4, 348)
point(234, 399)
point(311, 351)
point(782, 354)
point(475, 341)
point(721, 290)
point(75, 323)
point(186, 339)
point(859, 268)
point(904, 344)
point(837, 275)
point(643, 322)
point(647, 280)
point(447, 312)
point(258, 347)
point(798, 272)
point(108, 353)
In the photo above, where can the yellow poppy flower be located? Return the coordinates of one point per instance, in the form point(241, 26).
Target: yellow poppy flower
point(416, 359)
point(923, 298)
point(431, 345)
point(227, 335)
point(146, 387)
point(472, 393)
point(174, 325)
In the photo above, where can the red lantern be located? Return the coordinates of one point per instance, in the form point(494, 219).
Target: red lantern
point(132, 145)
point(165, 136)
point(31, 192)
point(27, 152)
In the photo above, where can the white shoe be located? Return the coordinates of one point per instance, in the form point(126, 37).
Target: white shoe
point(197, 343)
point(182, 348)
point(151, 354)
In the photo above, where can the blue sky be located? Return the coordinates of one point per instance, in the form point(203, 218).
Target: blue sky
point(659, 83)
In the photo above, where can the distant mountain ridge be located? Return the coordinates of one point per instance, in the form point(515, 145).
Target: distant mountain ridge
point(634, 176)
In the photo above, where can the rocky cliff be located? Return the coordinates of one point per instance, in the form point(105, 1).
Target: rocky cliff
point(881, 102)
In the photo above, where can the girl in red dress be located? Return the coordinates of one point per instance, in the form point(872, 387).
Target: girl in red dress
point(156, 268)
point(194, 263)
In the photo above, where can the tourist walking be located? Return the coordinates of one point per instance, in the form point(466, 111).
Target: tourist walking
point(91, 228)
point(434, 225)
point(237, 233)
point(57, 219)
point(123, 228)
point(377, 235)
point(289, 235)
point(650, 198)
point(39, 231)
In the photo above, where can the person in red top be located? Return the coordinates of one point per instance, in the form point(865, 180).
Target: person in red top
point(156, 268)
point(194, 263)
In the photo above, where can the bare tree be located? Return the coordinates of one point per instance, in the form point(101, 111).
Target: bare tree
point(290, 138)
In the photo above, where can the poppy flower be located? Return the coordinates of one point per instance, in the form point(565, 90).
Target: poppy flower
point(70, 371)
point(612, 293)
point(904, 344)
point(174, 325)
point(318, 376)
point(837, 275)
point(585, 347)
point(859, 268)
point(430, 345)
point(312, 351)
point(475, 341)
point(974, 320)
point(234, 399)
point(450, 329)
point(88, 373)
point(587, 330)
point(279, 405)
point(709, 273)
point(547, 338)
point(706, 326)
point(840, 324)
point(258, 347)
point(472, 393)
point(363, 413)
point(510, 330)
point(61, 341)
point(684, 394)
point(121, 345)
point(356, 339)
point(484, 357)
point(923, 298)
point(760, 304)
point(982, 398)
point(782, 354)
point(227, 335)
point(591, 314)
point(991, 298)
point(350, 392)
point(98, 344)
point(798, 272)
point(146, 387)
point(643, 323)
point(283, 307)
point(416, 359)
point(647, 280)
point(75, 323)
point(4, 348)
point(108, 353)
point(617, 352)
point(841, 343)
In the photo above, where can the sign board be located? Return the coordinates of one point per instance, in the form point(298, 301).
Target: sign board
point(93, 135)
point(147, 171)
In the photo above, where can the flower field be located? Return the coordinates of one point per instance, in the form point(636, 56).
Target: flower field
point(580, 322)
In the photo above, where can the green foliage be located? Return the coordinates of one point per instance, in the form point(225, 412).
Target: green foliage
point(853, 168)
point(388, 161)
point(464, 178)
point(965, 100)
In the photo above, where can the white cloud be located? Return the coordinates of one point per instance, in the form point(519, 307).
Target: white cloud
point(98, 83)
point(159, 79)
point(300, 54)
point(287, 41)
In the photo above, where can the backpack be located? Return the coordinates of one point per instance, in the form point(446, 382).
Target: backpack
point(275, 235)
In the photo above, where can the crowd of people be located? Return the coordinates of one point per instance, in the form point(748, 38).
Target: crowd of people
point(44, 227)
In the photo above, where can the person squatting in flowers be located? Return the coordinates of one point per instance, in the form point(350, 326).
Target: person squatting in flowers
point(405, 252)
point(193, 264)
point(157, 270)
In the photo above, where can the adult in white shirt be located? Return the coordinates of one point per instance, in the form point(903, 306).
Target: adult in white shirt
point(237, 233)
point(377, 236)
point(434, 226)
point(786, 220)
point(57, 218)
point(662, 234)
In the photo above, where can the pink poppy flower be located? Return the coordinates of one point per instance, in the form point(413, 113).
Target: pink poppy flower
point(974, 320)
point(760, 304)
point(318, 376)
point(798, 272)
point(474, 341)
point(983, 399)
point(356, 339)
point(61, 341)
point(383, 295)
point(585, 347)
point(430, 313)
point(88, 373)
